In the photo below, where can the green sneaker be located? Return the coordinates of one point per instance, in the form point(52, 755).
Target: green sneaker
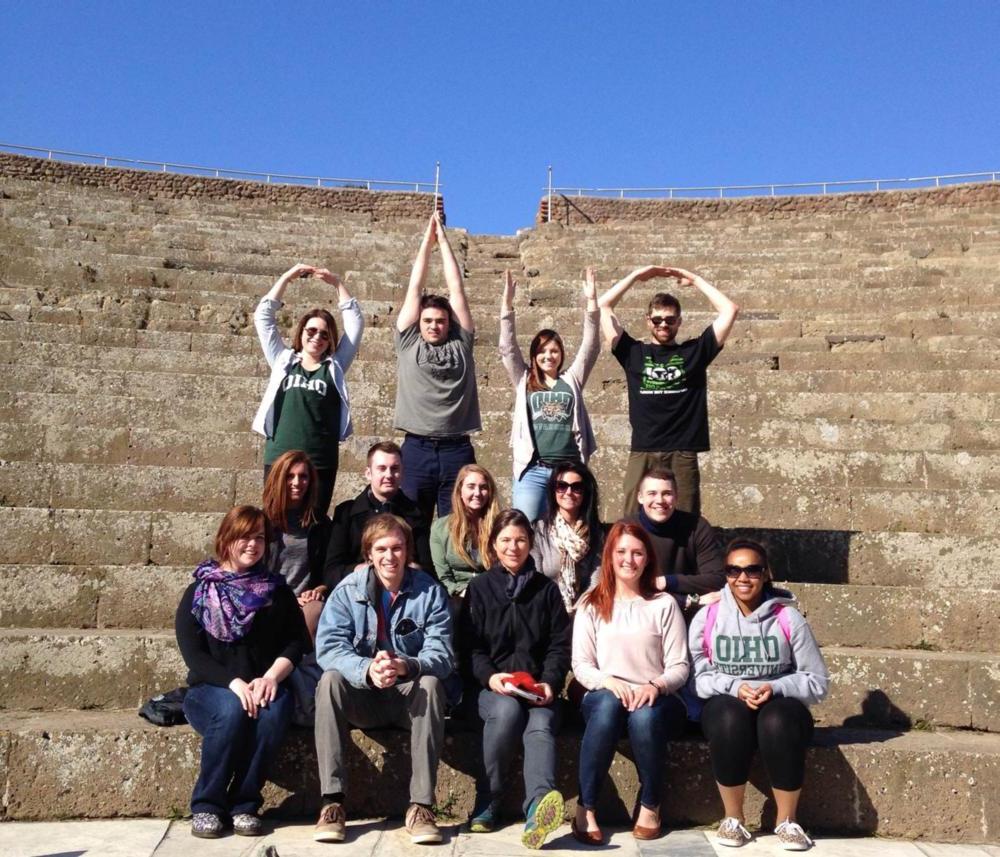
point(485, 815)
point(544, 816)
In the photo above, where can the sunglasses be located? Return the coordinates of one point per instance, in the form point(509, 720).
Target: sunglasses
point(661, 320)
point(753, 572)
point(316, 332)
point(573, 487)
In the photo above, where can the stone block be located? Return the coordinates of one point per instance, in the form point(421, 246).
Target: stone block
point(182, 538)
point(98, 536)
point(28, 535)
point(43, 596)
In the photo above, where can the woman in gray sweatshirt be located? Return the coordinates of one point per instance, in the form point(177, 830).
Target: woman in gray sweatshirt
point(759, 667)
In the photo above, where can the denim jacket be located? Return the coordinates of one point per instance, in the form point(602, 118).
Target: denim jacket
point(419, 627)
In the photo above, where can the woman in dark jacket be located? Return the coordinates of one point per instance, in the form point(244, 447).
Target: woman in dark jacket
point(241, 633)
point(300, 532)
point(513, 621)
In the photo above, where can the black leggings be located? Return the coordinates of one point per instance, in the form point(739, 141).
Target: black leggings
point(781, 728)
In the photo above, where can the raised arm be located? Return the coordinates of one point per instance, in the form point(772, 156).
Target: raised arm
point(727, 310)
point(350, 312)
point(265, 316)
point(453, 278)
point(409, 312)
point(610, 326)
point(590, 344)
point(510, 351)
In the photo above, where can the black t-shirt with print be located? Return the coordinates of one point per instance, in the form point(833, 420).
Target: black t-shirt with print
point(668, 391)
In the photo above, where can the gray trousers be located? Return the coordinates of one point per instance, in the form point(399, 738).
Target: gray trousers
point(505, 719)
point(414, 705)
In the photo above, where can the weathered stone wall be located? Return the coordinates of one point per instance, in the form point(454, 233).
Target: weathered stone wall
point(577, 210)
point(379, 205)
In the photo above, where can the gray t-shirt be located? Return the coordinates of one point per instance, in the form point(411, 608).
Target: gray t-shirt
point(436, 392)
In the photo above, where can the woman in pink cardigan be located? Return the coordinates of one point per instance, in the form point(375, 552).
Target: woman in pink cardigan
point(550, 423)
point(630, 653)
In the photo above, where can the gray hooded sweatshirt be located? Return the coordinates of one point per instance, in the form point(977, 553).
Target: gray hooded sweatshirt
point(754, 650)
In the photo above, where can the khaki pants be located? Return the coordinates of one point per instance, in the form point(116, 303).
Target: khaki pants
point(684, 466)
point(414, 705)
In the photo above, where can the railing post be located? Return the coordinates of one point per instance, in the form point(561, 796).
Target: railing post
point(437, 182)
point(548, 209)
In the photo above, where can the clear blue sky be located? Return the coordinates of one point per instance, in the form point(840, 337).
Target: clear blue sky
point(640, 93)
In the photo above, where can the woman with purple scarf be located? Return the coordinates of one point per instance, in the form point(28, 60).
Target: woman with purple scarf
point(241, 633)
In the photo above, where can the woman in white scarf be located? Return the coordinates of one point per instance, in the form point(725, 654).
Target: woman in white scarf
point(569, 538)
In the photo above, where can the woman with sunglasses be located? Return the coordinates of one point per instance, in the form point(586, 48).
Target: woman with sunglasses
point(630, 653)
point(305, 405)
point(550, 423)
point(569, 537)
point(241, 634)
point(759, 667)
point(460, 540)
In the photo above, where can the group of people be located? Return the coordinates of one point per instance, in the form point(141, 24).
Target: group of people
point(508, 618)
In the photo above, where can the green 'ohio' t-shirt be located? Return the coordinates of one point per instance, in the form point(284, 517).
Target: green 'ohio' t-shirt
point(306, 417)
point(551, 413)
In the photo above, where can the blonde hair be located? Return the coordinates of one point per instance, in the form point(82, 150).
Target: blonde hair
point(385, 525)
point(462, 525)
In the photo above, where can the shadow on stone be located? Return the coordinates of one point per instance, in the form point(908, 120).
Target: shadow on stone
point(804, 556)
point(878, 710)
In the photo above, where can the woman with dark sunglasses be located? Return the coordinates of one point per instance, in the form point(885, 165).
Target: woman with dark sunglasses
point(550, 424)
point(305, 405)
point(569, 537)
point(759, 667)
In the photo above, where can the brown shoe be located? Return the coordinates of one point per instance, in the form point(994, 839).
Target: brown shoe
point(586, 837)
point(332, 824)
point(421, 825)
point(646, 833)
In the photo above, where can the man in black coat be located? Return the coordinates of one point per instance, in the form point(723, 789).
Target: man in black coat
point(385, 475)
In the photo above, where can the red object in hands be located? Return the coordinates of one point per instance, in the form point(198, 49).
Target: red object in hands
point(524, 681)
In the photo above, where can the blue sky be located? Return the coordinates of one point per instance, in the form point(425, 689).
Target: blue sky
point(608, 93)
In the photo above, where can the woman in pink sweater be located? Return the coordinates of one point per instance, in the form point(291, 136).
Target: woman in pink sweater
point(630, 652)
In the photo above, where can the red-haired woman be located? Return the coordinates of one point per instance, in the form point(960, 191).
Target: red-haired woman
point(550, 423)
point(241, 634)
point(305, 405)
point(300, 532)
point(630, 652)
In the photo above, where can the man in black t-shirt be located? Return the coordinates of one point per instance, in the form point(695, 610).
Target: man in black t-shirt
point(667, 382)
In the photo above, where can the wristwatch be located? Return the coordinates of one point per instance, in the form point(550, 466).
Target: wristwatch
point(692, 601)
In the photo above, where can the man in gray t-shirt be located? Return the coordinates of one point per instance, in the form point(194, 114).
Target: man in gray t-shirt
point(437, 402)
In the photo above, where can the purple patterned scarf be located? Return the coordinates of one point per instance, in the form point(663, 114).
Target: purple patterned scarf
point(225, 602)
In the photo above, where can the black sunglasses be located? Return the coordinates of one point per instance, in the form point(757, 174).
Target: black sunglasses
point(562, 487)
point(312, 332)
point(660, 320)
point(754, 572)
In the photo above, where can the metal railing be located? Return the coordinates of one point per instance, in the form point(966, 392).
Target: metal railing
point(219, 172)
point(775, 189)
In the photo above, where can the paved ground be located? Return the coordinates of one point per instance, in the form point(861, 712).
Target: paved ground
point(378, 838)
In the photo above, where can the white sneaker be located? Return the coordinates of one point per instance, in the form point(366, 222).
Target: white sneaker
point(792, 837)
point(732, 833)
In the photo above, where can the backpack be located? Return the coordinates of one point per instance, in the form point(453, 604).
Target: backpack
point(713, 612)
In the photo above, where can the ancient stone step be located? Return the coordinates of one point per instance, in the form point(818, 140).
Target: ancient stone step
point(935, 785)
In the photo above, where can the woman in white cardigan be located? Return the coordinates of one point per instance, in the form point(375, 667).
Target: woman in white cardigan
point(305, 405)
point(550, 424)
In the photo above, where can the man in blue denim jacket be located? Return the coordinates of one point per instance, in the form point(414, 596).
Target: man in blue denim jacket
point(384, 643)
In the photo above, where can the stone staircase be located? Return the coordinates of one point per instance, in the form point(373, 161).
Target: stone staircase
point(855, 424)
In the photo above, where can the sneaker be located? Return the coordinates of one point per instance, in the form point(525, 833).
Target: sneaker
point(206, 825)
point(332, 824)
point(732, 833)
point(421, 825)
point(545, 814)
point(247, 824)
point(485, 815)
point(792, 837)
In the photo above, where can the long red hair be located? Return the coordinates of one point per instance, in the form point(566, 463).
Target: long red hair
point(601, 599)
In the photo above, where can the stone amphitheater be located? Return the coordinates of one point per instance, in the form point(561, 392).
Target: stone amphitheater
point(855, 421)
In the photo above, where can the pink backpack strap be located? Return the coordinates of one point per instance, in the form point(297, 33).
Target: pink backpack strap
point(711, 612)
point(783, 622)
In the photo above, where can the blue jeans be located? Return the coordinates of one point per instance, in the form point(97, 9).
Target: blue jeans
point(649, 729)
point(430, 466)
point(528, 494)
point(236, 750)
point(505, 719)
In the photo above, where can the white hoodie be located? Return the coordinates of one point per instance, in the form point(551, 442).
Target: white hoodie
point(754, 650)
